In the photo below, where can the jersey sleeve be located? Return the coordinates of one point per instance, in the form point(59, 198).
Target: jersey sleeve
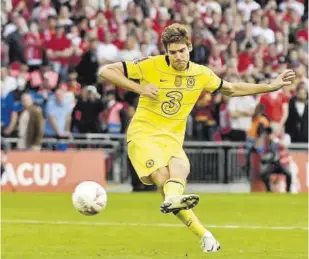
point(136, 69)
point(212, 82)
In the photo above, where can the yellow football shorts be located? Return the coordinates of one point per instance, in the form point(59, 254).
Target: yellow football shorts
point(148, 154)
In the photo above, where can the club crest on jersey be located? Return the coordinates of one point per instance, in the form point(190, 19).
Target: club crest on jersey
point(190, 82)
point(149, 163)
point(178, 80)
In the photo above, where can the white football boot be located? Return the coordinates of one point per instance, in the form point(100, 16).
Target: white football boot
point(209, 244)
point(179, 202)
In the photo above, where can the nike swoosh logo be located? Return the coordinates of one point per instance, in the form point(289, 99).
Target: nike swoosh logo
point(163, 80)
point(211, 249)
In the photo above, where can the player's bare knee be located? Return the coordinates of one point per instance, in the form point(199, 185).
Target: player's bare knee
point(178, 168)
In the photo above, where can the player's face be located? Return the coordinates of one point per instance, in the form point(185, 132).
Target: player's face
point(179, 55)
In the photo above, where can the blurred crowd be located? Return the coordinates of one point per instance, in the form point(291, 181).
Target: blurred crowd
point(51, 51)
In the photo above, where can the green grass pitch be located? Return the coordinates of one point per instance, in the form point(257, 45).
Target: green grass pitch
point(248, 226)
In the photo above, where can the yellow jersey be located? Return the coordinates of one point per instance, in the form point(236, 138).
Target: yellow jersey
point(178, 92)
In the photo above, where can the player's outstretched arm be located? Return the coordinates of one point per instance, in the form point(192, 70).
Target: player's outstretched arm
point(116, 75)
point(242, 89)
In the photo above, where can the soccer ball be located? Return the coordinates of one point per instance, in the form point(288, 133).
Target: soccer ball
point(89, 198)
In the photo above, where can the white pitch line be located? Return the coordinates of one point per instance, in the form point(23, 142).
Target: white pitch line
point(87, 223)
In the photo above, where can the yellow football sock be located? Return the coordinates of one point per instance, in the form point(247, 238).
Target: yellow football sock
point(174, 186)
point(191, 221)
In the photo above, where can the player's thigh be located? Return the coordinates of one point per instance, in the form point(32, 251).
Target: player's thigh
point(146, 158)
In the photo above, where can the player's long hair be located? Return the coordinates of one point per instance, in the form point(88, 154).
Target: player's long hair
point(176, 33)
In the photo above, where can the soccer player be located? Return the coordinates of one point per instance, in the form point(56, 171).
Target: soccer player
point(169, 86)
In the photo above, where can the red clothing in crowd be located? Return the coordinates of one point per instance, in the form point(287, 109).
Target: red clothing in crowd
point(244, 61)
point(274, 106)
point(16, 7)
point(59, 44)
point(302, 34)
point(272, 20)
point(47, 35)
point(33, 49)
point(119, 44)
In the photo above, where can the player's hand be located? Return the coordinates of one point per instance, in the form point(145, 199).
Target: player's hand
point(149, 90)
point(284, 79)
